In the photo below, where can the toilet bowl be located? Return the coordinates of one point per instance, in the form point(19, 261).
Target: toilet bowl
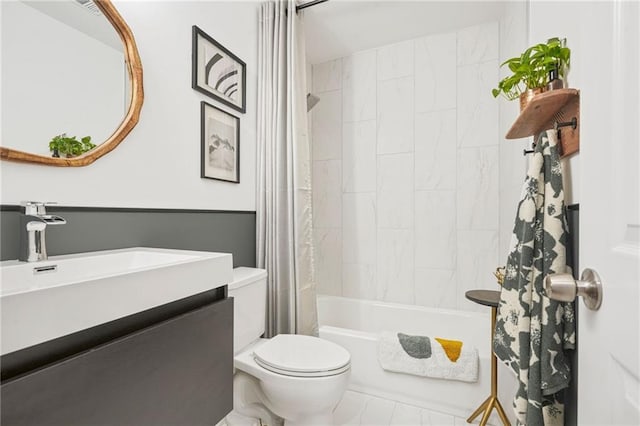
point(290, 384)
point(298, 378)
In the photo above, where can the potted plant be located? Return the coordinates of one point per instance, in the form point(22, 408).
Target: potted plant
point(70, 146)
point(531, 70)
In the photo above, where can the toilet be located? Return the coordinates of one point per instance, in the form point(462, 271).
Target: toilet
point(298, 378)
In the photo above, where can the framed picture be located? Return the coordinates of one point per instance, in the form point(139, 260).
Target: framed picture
point(216, 72)
point(220, 138)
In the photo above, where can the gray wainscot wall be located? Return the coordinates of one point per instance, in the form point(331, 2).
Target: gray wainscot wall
point(99, 228)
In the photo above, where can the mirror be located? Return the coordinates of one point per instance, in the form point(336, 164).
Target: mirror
point(69, 66)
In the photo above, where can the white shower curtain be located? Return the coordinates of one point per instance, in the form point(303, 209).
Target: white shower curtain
point(284, 228)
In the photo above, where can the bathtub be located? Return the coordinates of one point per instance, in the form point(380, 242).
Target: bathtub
point(355, 324)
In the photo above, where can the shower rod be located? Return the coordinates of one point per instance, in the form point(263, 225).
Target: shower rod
point(309, 4)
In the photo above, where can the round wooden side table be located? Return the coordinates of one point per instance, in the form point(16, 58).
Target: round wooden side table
point(489, 298)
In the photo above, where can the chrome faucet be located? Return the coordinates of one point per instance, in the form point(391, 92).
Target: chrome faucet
point(33, 224)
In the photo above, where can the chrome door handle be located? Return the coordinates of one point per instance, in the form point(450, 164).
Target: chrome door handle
point(564, 288)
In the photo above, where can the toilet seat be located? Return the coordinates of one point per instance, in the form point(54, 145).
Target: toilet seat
point(302, 356)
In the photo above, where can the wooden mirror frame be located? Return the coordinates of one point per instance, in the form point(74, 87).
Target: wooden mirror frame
point(134, 68)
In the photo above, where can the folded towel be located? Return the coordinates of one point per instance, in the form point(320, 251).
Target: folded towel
point(423, 356)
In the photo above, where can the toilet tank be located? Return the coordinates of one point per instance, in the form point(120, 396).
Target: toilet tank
point(249, 292)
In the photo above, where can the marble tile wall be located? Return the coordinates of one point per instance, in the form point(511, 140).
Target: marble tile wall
point(512, 163)
point(407, 169)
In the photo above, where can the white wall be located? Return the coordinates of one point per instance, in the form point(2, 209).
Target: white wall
point(158, 164)
point(407, 164)
point(48, 83)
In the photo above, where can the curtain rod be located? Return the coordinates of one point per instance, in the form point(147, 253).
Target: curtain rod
point(309, 4)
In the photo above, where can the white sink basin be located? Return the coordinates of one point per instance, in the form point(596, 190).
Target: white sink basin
point(39, 302)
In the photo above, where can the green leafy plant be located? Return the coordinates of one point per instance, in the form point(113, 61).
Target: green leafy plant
point(531, 69)
point(70, 146)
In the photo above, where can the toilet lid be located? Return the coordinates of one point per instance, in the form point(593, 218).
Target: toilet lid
point(302, 356)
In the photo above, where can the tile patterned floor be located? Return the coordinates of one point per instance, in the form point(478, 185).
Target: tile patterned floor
point(359, 409)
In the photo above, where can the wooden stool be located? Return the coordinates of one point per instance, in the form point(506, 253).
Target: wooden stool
point(489, 298)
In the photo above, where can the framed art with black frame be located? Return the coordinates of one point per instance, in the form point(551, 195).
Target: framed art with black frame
point(220, 139)
point(217, 72)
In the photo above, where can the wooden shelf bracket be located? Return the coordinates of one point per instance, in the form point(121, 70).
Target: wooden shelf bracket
point(556, 109)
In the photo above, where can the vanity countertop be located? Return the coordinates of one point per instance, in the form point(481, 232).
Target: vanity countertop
point(41, 301)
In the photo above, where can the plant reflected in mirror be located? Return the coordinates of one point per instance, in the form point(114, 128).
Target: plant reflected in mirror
point(70, 146)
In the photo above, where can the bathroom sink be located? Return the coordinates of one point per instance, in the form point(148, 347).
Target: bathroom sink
point(44, 300)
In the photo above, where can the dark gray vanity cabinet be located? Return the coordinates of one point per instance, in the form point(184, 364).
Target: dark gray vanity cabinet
point(178, 371)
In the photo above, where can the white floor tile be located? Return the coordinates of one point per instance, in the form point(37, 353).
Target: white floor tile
point(359, 409)
point(377, 412)
point(433, 418)
point(461, 422)
point(349, 410)
point(406, 415)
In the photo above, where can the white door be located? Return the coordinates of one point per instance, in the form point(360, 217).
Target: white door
point(609, 339)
